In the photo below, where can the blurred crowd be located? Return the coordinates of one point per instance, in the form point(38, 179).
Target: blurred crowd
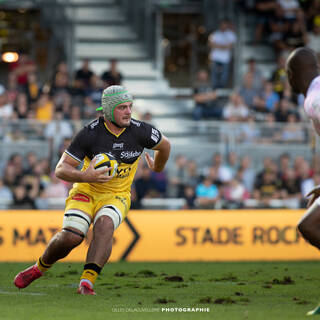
point(232, 183)
point(282, 25)
point(67, 96)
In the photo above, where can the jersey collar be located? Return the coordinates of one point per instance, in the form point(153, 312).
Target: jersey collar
point(117, 135)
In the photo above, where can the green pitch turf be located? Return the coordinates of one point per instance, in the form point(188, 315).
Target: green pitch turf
point(260, 290)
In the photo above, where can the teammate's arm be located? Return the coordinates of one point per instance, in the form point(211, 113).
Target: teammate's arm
point(161, 155)
point(66, 169)
point(316, 125)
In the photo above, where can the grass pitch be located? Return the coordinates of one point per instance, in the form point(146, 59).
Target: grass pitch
point(260, 290)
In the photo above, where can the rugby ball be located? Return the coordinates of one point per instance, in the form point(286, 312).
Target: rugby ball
point(104, 160)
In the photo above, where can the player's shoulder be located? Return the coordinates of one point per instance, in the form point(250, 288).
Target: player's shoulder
point(94, 124)
point(140, 126)
point(136, 123)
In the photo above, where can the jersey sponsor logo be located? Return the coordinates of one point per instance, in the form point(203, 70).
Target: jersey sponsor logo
point(117, 146)
point(94, 123)
point(81, 197)
point(136, 123)
point(155, 135)
point(123, 173)
point(129, 154)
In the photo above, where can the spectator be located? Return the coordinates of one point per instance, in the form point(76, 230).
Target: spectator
point(248, 132)
point(26, 193)
point(178, 176)
point(290, 9)
point(314, 38)
point(283, 110)
point(247, 173)
point(235, 110)
point(22, 68)
point(258, 79)
point(269, 131)
point(265, 11)
point(247, 90)
point(56, 131)
point(112, 76)
point(207, 194)
point(290, 186)
point(30, 164)
point(84, 74)
point(89, 108)
point(278, 26)
point(292, 132)
point(296, 36)
point(44, 108)
point(205, 98)
point(221, 44)
point(192, 173)
point(279, 77)
point(21, 106)
point(6, 197)
point(61, 85)
point(32, 88)
point(13, 89)
point(267, 189)
point(223, 172)
point(55, 188)
point(267, 100)
point(235, 194)
point(161, 181)
point(6, 108)
point(145, 186)
point(190, 197)
point(94, 90)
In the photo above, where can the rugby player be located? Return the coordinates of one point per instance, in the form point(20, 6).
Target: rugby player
point(303, 73)
point(96, 198)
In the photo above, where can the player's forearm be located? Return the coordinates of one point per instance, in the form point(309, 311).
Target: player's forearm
point(69, 173)
point(161, 157)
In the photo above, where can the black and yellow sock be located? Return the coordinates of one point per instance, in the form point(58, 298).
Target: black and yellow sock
point(90, 272)
point(43, 267)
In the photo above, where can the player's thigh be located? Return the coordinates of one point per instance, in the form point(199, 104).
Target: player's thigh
point(78, 212)
point(114, 206)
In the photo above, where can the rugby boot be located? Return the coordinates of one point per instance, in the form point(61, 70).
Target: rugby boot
point(25, 277)
point(85, 289)
point(316, 310)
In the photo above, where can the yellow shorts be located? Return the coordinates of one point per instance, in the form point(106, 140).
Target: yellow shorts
point(92, 203)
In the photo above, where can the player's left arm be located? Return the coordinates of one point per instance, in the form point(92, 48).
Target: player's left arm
point(161, 155)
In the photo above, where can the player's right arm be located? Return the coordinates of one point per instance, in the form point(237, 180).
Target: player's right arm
point(316, 126)
point(78, 149)
point(66, 169)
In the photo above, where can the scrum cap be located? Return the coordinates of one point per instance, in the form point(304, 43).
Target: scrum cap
point(111, 97)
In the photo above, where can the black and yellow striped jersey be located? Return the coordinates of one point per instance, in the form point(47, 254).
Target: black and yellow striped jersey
point(126, 147)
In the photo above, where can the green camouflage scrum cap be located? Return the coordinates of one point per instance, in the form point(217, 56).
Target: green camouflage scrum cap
point(111, 97)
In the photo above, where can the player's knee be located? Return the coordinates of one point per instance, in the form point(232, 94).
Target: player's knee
point(72, 237)
point(108, 216)
point(103, 224)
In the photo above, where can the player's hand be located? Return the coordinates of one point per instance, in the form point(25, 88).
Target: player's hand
point(314, 193)
point(97, 176)
point(149, 160)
